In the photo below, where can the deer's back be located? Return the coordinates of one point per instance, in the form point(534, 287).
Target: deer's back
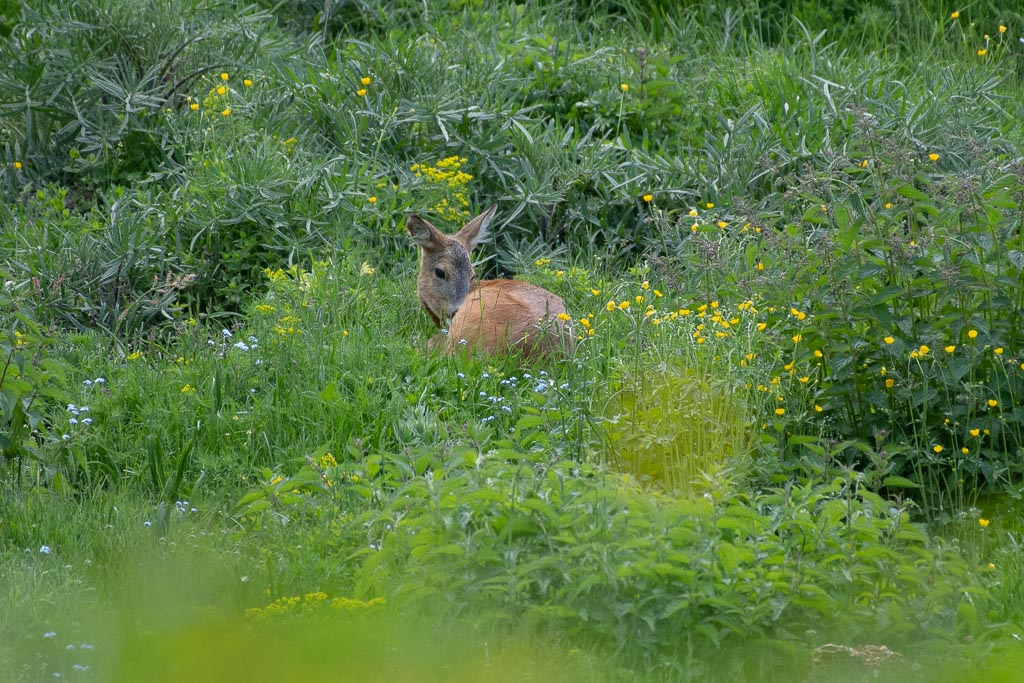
point(499, 315)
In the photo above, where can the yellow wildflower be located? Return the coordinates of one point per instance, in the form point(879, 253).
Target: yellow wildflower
point(624, 87)
point(648, 197)
point(983, 523)
point(224, 76)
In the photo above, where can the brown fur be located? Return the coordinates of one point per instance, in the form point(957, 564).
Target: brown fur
point(492, 316)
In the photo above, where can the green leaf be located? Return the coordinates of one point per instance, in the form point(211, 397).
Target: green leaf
point(898, 482)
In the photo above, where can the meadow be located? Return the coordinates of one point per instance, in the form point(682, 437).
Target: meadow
point(789, 445)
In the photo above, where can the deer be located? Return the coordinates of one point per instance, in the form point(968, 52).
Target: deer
point(494, 317)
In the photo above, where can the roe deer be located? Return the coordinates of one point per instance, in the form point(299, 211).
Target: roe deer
point(494, 316)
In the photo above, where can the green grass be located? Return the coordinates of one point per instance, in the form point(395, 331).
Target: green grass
point(791, 239)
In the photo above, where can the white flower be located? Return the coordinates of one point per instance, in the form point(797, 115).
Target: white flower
point(45, 549)
point(226, 332)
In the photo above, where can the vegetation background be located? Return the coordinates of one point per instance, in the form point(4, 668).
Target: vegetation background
point(790, 445)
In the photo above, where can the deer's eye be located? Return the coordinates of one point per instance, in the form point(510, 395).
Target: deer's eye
point(439, 272)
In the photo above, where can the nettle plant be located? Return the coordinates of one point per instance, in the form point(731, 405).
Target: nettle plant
point(498, 526)
point(31, 384)
point(913, 328)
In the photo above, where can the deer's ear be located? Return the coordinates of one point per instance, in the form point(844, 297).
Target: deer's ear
point(475, 231)
point(423, 233)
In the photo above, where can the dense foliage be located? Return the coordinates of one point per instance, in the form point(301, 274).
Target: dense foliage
point(788, 446)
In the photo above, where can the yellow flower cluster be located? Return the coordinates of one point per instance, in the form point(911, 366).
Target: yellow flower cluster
point(447, 176)
point(311, 601)
point(216, 97)
point(446, 172)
